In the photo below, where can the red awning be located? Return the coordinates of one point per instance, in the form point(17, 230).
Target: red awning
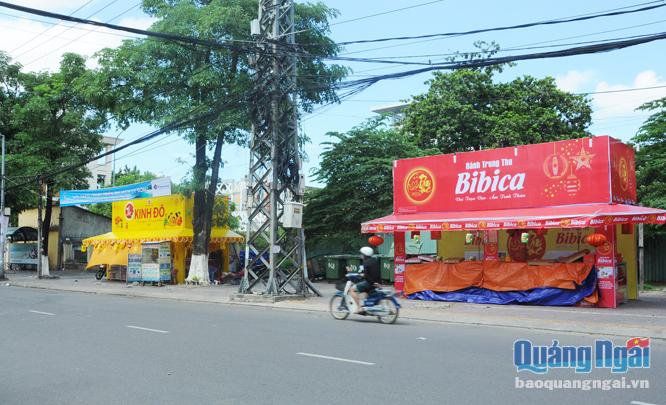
point(565, 216)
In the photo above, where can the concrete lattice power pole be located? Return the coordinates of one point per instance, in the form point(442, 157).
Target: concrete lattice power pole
point(275, 262)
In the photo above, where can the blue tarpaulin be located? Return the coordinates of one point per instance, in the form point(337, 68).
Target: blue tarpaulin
point(535, 296)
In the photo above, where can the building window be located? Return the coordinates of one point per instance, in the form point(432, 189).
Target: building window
point(101, 180)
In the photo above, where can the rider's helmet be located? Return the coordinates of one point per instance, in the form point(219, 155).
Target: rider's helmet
point(367, 251)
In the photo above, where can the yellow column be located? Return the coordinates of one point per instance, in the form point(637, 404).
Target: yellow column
point(179, 253)
point(627, 245)
point(452, 244)
point(225, 257)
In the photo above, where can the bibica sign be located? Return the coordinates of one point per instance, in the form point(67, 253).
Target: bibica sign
point(578, 171)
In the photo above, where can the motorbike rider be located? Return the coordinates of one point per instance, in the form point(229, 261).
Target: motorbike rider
point(370, 273)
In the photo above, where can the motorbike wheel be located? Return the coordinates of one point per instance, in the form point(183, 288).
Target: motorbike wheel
point(338, 308)
point(100, 274)
point(392, 316)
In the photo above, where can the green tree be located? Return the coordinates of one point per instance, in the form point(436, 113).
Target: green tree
point(123, 177)
point(651, 159)
point(357, 172)
point(10, 93)
point(56, 125)
point(154, 81)
point(468, 110)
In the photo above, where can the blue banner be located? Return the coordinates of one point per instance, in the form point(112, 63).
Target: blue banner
point(153, 188)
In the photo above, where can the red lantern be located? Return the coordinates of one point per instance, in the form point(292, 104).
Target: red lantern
point(375, 240)
point(416, 234)
point(541, 231)
point(435, 235)
point(596, 239)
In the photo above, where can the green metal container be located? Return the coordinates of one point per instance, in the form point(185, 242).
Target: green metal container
point(334, 267)
point(353, 261)
point(387, 266)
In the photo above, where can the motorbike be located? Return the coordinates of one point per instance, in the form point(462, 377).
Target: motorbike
point(101, 273)
point(380, 302)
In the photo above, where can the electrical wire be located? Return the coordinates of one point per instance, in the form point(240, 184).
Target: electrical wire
point(386, 60)
point(76, 39)
point(440, 38)
point(360, 82)
point(67, 29)
point(526, 46)
point(186, 121)
point(13, 28)
point(386, 12)
point(578, 94)
point(508, 27)
point(623, 90)
point(48, 29)
point(161, 35)
point(324, 109)
point(355, 86)
point(516, 47)
point(75, 26)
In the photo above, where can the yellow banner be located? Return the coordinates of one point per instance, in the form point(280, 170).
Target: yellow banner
point(152, 214)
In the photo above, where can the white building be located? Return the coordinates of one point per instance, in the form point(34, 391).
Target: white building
point(101, 170)
point(237, 192)
point(395, 112)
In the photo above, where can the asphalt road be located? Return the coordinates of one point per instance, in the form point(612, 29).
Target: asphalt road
point(74, 348)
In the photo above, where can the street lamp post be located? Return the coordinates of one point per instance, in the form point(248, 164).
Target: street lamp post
point(113, 170)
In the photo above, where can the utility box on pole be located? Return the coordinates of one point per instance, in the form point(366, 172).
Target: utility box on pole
point(292, 217)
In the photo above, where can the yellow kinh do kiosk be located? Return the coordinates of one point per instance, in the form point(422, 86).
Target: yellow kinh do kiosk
point(151, 241)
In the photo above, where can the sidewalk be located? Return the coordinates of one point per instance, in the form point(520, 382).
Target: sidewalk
point(645, 317)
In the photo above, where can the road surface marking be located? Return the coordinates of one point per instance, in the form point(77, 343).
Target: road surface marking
point(147, 329)
point(40, 312)
point(641, 403)
point(319, 356)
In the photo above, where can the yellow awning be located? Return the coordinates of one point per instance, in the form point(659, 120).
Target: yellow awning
point(218, 235)
point(112, 255)
point(112, 249)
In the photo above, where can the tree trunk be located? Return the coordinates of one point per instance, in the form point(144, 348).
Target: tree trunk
point(43, 254)
point(212, 186)
point(46, 225)
point(199, 263)
point(204, 201)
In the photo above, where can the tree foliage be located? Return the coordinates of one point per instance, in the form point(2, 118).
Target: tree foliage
point(468, 110)
point(10, 91)
point(356, 169)
point(651, 158)
point(223, 214)
point(51, 123)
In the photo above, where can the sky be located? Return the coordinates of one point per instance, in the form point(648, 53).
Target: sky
point(38, 43)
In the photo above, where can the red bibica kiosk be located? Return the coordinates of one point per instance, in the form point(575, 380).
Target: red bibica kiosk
point(581, 184)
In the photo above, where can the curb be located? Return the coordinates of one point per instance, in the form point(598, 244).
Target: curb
point(499, 323)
